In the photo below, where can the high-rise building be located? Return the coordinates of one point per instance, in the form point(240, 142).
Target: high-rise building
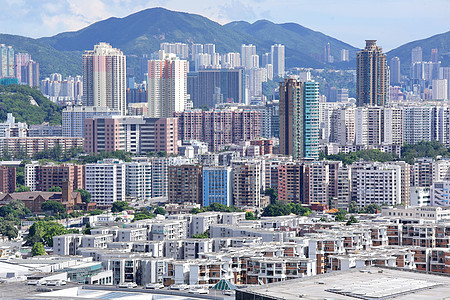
point(73, 118)
point(185, 184)
point(210, 87)
point(416, 55)
point(291, 182)
point(131, 134)
point(7, 179)
point(395, 71)
point(48, 176)
point(372, 75)
point(7, 65)
point(248, 182)
point(434, 55)
point(247, 52)
point(217, 186)
point(138, 180)
point(299, 118)
point(29, 73)
point(21, 59)
point(278, 59)
point(106, 182)
point(440, 89)
point(344, 55)
point(104, 78)
point(180, 49)
point(167, 85)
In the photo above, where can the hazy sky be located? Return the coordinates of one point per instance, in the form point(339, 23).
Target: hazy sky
point(391, 22)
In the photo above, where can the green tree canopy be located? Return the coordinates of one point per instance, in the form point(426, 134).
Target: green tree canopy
point(281, 209)
point(85, 195)
point(53, 206)
point(22, 188)
point(119, 206)
point(160, 210)
point(38, 249)
point(56, 189)
point(44, 231)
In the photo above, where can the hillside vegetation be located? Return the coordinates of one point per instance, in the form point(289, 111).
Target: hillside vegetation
point(15, 99)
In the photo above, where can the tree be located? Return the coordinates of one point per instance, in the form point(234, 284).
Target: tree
point(353, 207)
point(119, 206)
point(249, 216)
point(203, 235)
point(160, 211)
point(8, 229)
point(85, 195)
point(55, 189)
point(162, 154)
point(22, 188)
point(38, 249)
point(351, 221)
point(96, 212)
point(44, 231)
point(272, 193)
point(276, 209)
point(53, 206)
point(340, 216)
point(371, 209)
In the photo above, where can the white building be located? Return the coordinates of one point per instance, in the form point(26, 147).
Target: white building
point(439, 193)
point(419, 196)
point(73, 118)
point(138, 180)
point(278, 59)
point(247, 52)
point(166, 85)
point(417, 124)
point(378, 183)
point(105, 181)
point(104, 78)
point(12, 129)
point(30, 175)
point(440, 88)
point(159, 179)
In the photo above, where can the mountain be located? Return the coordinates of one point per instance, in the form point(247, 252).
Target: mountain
point(304, 47)
point(50, 60)
point(142, 33)
point(439, 41)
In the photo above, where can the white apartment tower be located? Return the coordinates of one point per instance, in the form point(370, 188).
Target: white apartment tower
point(104, 78)
point(278, 59)
point(247, 52)
point(105, 181)
point(167, 85)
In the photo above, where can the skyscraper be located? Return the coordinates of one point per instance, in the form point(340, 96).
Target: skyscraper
point(167, 85)
point(416, 55)
point(104, 78)
point(247, 52)
point(299, 118)
point(6, 61)
point(434, 55)
point(277, 59)
point(344, 55)
point(21, 59)
point(371, 75)
point(395, 71)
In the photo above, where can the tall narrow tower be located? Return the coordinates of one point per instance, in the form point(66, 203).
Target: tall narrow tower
point(299, 118)
point(372, 75)
point(167, 85)
point(278, 59)
point(104, 78)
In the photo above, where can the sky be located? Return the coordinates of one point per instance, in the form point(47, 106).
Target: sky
point(391, 22)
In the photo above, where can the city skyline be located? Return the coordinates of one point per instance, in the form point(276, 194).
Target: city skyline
point(46, 18)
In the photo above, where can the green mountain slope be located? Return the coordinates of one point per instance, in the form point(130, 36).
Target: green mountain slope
point(18, 99)
point(50, 60)
point(142, 33)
